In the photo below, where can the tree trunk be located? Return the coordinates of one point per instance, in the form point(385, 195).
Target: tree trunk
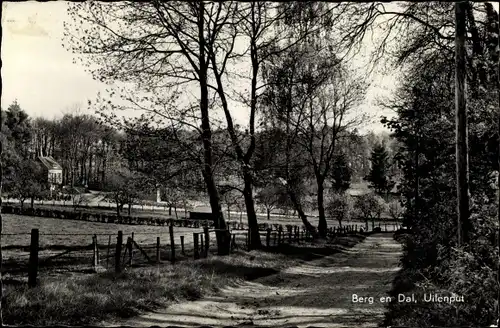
point(169, 209)
point(32, 202)
point(253, 226)
point(175, 211)
point(129, 208)
point(498, 180)
point(228, 212)
point(340, 223)
point(417, 178)
point(89, 173)
point(268, 214)
point(322, 225)
point(302, 215)
point(82, 172)
point(1, 225)
point(223, 237)
point(462, 160)
point(104, 163)
point(117, 207)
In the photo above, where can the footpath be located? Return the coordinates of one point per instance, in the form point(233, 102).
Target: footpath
point(319, 293)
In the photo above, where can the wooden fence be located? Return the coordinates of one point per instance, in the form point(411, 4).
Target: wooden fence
point(116, 253)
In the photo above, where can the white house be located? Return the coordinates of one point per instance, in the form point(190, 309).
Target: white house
point(53, 170)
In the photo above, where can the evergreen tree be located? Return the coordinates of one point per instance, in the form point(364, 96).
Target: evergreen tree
point(19, 127)
point(341, 173)
point(379, 171)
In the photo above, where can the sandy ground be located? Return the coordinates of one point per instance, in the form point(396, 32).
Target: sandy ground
point(319, 294)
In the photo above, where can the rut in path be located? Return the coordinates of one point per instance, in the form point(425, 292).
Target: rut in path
point(318, 294)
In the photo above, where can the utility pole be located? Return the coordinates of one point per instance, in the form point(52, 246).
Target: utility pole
point(498, 176)
point(462, 158)
point(1, 180)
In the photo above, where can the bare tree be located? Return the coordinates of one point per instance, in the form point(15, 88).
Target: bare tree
point(159, 47)
point(269, 197)
point(316, 103)
point(328, 118)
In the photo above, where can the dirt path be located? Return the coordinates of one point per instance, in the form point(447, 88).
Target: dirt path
point(318, 294)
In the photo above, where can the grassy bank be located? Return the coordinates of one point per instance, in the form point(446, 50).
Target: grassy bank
point(87, 299)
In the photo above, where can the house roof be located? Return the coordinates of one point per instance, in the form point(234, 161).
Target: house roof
point(50, 163)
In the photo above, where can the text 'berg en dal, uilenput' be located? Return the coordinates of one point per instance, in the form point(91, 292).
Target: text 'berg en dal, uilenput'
point(409, 298)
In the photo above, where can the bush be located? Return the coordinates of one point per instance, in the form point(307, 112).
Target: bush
point(340, 207)
point(435, 267)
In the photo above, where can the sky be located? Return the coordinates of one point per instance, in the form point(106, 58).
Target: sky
point(41, 74)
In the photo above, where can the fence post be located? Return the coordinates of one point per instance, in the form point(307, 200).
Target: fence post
point(158, 259)
point(290, 234)
point(107, 255)
point(202, 245)
point(119, 241)
point(95, 259)
point(33, 261)
point(268, 236)
point(172, 242)
point(182, 245)
point(130, 250)
point(280, 229)
point(196, 251)
point(207, 240)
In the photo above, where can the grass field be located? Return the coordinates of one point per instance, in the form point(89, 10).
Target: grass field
point(57, 236)
point(17, 228)
point(79, 233)
point(275, 218)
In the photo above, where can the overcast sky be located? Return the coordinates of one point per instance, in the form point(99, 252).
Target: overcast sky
point(39, 72)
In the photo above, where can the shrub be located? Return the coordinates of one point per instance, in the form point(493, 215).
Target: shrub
point(340, 207)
